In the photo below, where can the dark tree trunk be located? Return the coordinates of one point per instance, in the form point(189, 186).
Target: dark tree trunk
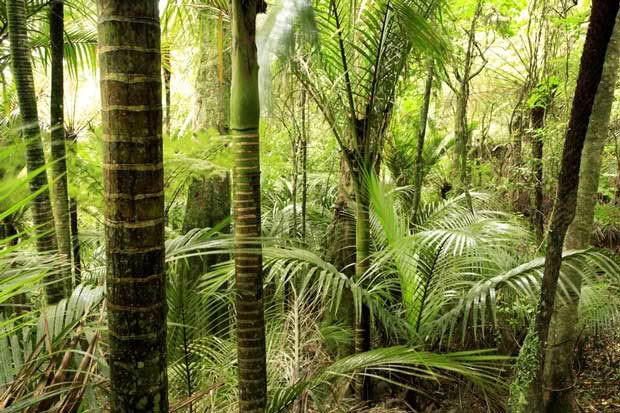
point(419, 161)
point(130, 62)
point(538, 124)
point(59, 164)
point(75, 242)
point(599, 33)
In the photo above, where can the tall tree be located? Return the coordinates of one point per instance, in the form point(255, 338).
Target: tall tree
point(58, 153)
point(244, 124)
point(602, 20)
point(419, 160)
point(563, 332)
point(35, 158)
point(130, 62)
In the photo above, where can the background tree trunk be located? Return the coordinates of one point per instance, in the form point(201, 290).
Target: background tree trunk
point(244, 124)
point(75, 242)
point(563, 329)
point(35, 159)
point(537, 118)
point(58, 153)
point(130, 62)
point(419, 161)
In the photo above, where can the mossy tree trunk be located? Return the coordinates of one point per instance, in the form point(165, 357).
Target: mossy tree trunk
point(42, 215)
point(563, 332)
point(244, 125)
point(602, 21)
point(130, 62)
point(58, 153)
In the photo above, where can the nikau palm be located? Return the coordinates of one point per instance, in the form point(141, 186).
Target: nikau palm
point(59, 165)
point(35, 158)
point(244, 123)
point(130, 61)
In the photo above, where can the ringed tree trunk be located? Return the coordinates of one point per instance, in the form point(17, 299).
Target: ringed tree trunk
point(563, 331)
point(130, 61)
point(59, 165)
point(601, 25)
point(244, 125)
point(35, 158)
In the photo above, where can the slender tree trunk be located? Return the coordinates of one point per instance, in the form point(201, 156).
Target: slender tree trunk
point(562, 331)
point(617, 200)
point(304, 164)
point(362, 331)
point(461, 128)
point(244, 124)
point(223, 76)
point(130, 62)
point(75, 242)
point(41, 207)
point(59, 164)
point(168, 89)
point(602, 21)
point(419, 161)
point(538, 124)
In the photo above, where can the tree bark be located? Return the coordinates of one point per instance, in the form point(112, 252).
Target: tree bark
point(58, 152)
point(35, 159)
point(461, 127)
point(537, 118)
point(75, 242)
point(130, 62)
point(599, 33)
point(559, 376)
point(244, 124)
point(419, 161)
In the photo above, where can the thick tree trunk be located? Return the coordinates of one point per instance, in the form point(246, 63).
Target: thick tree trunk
point(559, 378)
point(537, 118)
point(419, 161)
point(130, 62)
point(599, 33)
point(41, 207)
point(59, 164)
point(244, 124)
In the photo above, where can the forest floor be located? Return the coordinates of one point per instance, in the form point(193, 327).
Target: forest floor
point(598, 378)
point(597, 385)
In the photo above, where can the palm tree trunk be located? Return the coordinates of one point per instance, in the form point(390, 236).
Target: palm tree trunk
point(419, 161)
point(562, 331)
point(35, 159)
point(59, 165)
point(130, 62)
point(244, 124)
point(602, 20)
